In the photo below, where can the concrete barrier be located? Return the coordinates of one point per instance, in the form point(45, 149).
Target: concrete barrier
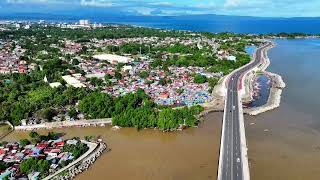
point(221, 143)
point(50, 125)
point(81, 164)
point(243, 141)
point(275, 91)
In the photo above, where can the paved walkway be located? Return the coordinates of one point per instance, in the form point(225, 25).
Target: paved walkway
point(92, 147)
point(50, 125)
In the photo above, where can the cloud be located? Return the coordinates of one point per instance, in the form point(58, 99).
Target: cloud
point(209, 5)
point(146, 11)
point(232, 3)
point(25, 1)
point(160, 3)
point(275, 8)
point(96, 3)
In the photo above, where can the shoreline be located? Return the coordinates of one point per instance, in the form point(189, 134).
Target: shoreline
point(277, 85)
point(63, 124)
point(246, 93)
point(82, 163)
point(299, 37)
point(216, 105)
point(274, 98)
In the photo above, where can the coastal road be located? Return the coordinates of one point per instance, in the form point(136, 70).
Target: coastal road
point(231, 160)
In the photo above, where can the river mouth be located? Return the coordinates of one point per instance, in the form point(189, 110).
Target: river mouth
point(152, 154)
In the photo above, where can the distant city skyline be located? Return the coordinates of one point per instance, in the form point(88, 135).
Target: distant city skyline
point(258, 8)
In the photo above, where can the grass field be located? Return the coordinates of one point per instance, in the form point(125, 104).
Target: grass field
point(4, 129)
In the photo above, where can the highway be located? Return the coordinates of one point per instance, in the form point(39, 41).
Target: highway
point(231, 161)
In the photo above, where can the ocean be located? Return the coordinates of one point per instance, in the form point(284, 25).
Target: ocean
point(246, 25)
point(207, 23)
point(285, 140)
point(282, 143)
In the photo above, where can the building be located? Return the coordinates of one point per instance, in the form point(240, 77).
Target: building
point(231, 58)
point(72, 81)
point(113, 59)
point(84, 22)
point(55, 84)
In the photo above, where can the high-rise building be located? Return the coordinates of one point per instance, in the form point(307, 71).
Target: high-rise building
point(84, 22)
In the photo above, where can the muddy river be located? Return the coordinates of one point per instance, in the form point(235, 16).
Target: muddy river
point(283, 143)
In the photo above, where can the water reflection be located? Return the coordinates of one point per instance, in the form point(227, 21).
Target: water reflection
point(261, 91)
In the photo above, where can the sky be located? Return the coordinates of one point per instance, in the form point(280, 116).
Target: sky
point(259, 8)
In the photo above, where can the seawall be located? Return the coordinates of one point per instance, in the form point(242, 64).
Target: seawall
point(276, 88)
point(274, 96)
point(62, 124)
point(82, 163)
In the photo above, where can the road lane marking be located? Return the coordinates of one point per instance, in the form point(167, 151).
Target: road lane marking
point(232, 132)
point(235, 129)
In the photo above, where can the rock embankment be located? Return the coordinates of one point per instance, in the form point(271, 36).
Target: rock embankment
point(275, 90)
point(83, 165)
point(274, 96)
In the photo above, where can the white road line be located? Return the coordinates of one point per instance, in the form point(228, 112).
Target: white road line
point(232, 132)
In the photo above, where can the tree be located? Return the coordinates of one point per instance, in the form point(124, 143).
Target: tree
point(96, 82)
point(84, 50)
point(17, 114)
point(156, 63)
point(3, 166)
point(52, 135)
point(34, 135)
point(24, 142)
point(73, 112)
point(28, 165)
point(167, 119)
point(32, 164)
point(108, 83)
point(43, 166)
point(180, 91)
point(48, 113)
point(144, 74)
point(212, 82)
point(76, 150)
point(162, 82)
point(75, 61)
point(64, 163)
point(107, 77)
point(200, 79)
point(97, 105)
point(118, 75)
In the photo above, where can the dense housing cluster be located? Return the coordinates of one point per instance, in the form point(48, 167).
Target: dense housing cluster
point(49, 70)
point(44, 155)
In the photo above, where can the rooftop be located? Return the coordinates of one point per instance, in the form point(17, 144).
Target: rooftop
point(112, 58)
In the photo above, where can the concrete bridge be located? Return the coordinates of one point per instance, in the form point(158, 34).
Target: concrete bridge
point(233, 160)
